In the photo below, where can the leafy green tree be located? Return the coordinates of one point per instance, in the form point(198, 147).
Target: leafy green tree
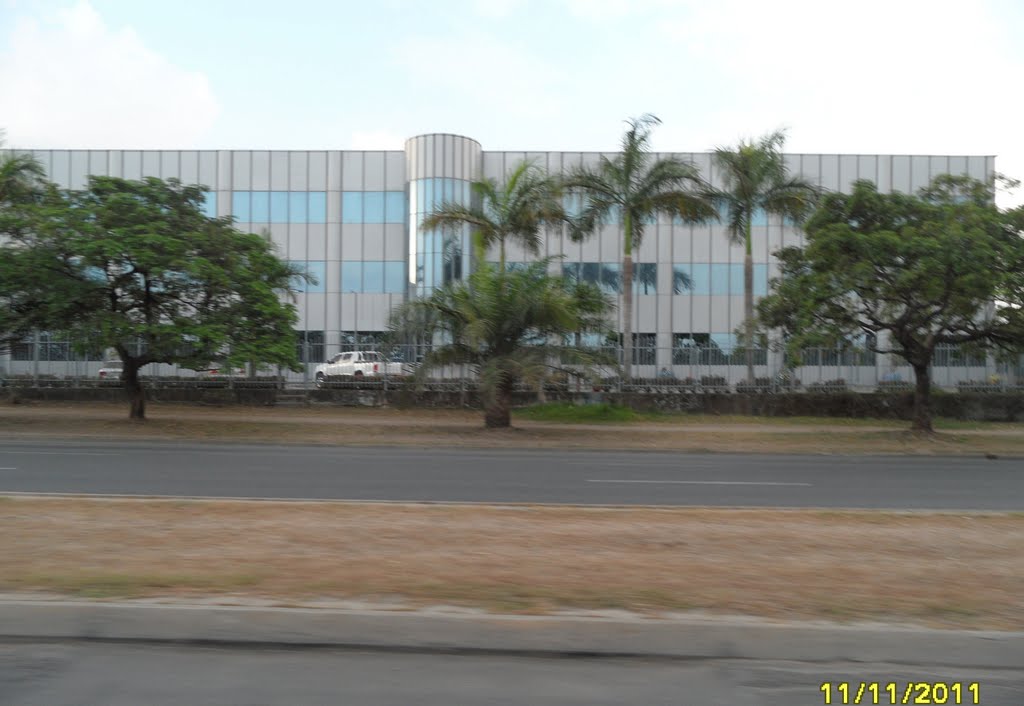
point(636, 187)
point(518, 210)
point(921, 270)
point(755, 179)
point(503, 323)
point(137, 267)
point(22, 177)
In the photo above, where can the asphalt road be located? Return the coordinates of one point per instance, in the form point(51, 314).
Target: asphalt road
point(317, 472)
point(98, 674)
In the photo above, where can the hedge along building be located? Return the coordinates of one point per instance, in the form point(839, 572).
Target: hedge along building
point(351, 220)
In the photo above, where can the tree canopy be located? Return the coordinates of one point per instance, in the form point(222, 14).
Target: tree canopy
point(755, 179)
point(137, 266)
point(943, 266)
point(636, 187)
point(508, 324)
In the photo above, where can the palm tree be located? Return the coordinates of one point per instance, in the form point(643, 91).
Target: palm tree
point(755, 178)
point(21, 176)
point(518, 210)
point(639, 187)
point(502, 322)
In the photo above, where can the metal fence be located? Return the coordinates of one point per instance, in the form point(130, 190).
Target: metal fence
point(683, 369)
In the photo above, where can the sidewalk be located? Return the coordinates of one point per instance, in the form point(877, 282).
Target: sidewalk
point(456, 631)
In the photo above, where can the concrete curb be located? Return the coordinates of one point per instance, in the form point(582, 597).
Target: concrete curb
point(427, 631)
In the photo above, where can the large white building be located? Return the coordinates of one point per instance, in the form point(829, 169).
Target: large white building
point(351, 219)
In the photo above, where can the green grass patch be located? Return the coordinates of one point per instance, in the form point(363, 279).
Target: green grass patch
point(566, 412)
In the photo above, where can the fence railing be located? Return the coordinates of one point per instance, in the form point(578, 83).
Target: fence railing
point(690, 369)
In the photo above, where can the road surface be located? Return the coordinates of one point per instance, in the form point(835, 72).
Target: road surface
point(503, 476)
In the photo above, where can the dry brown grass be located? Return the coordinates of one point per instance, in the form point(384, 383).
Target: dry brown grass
point(447, 428)
point(936, 569)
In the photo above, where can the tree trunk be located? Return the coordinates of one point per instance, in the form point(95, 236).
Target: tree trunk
point(627, 318)
point(498, 413)
point(922, 400)
point(748, 307)
point(136, 395)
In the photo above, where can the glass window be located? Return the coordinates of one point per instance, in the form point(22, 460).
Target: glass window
point(352, 276)
point(352, 207)
point(759, 218)
point(373, 207)
point(645, 278)
point(209, 206)
point(736, 279)
point(394, 207)
point(279, 207)
point(373, 277)
point(318, 271)
point(309, 346)
point(297, 202)
point(317, 212)
point(394, 277)
point(724, 341)
point(571, 271)
point(645, 348)
point(760, 280)
point(240, 205)
point(698, 275)
point(719, 279)
point(260, 212)
point(428, 195)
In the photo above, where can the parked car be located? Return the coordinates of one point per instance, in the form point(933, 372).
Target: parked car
point(356, 365)
point(111, 370)
point(219, 371)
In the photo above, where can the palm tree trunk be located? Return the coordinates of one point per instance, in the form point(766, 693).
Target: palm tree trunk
point(748, 313)
point(627, 300)
point(498, 412)
point(501, 256)
point(748, 301)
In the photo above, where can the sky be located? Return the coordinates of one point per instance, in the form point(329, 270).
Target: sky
point(871, 76)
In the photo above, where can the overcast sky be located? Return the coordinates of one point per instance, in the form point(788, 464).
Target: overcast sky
point(872, 76)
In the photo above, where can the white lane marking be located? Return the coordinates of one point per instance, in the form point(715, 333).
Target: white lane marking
point(697, 482)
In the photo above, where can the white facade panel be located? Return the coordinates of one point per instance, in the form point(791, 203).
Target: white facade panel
point(373, 171)
point(352, 171)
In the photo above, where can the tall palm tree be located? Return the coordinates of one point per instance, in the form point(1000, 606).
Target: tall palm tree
point(502, 323)
point(517, 210)
point(755, 178)
point(639, 187)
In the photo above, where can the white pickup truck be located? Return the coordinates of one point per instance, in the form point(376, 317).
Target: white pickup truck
point(356, 365)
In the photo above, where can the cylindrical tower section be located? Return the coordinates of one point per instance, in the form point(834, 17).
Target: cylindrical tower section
point(439, 169)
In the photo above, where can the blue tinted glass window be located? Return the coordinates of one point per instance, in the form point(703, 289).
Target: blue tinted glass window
point(351, 276)
point(645, 278)
point(760, 280)
point(352, 207)
point(571, 271)
point(298, 283)
point(394, 207)
point(297, 201)
point(428, 195)
point(735, 278)
point(260, 212)
point(209, 206)
point(373, 277)
point(394, 277)
point(610, 277)
point(317, 212)
point(240, 205)
point(760, 217)
point(682, 279)
point(318, 271)
point(421, 196)
point(279, 207)
point(719, 279)
point(373, 207)
point(700, 278)
point(725, 341)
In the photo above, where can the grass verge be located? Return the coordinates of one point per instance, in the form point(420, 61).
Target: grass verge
point(937, 569)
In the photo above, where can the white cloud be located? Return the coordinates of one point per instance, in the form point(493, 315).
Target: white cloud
point(69, 80)
point(916, 76)
point(376, 140)
point(496, 9)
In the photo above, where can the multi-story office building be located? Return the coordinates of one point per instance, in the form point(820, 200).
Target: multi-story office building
point(351, 219)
